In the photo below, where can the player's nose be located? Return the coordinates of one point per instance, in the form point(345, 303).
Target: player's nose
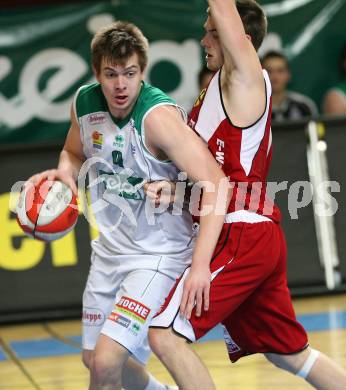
point(204, 40)
point(120, 83)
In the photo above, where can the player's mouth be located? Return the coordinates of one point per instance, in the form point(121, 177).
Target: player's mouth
point(120, 99)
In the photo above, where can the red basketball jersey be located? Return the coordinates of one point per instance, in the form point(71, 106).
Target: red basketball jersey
point(243, 153)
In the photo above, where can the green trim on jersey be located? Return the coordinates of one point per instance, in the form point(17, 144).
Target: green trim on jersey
point(149, 97)
point(121, 122)
point(90, 99)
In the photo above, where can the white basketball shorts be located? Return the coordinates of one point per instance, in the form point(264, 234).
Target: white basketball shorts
point(123, 293)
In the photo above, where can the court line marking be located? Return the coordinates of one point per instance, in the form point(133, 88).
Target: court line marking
point(64, 339)
point(59, 345)
point(12, 355)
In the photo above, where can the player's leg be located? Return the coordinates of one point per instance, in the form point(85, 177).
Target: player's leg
point(107, 364)
point(139, 297)
point(112, 369)
point(179, 358)
point(231, 267)
point(104, 289)
point(313, 366)
point(103, 356)
point(268, 312)
point(134, 375)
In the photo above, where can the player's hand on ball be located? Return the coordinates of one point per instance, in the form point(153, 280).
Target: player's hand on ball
point(51, 175)
point(196, 291)
point(160, 192)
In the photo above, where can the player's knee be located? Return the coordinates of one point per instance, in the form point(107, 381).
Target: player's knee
point(161, 341)
point(298, 363)
point(157, 339)
point(280, 361)
point(86, 358)
point(104, 370)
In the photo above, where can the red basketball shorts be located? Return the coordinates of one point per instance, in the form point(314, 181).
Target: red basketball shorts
point(248, 295)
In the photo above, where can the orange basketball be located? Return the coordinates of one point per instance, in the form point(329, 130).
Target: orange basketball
point(47, 211)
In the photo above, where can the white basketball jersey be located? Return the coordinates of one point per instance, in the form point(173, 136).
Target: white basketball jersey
point(118, 163)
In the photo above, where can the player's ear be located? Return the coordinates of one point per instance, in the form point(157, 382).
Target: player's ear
point(96, 74)
point(248, 37)
point(144, 72)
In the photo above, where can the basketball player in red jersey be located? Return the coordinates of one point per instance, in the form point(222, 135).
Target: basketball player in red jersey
point(248, 291)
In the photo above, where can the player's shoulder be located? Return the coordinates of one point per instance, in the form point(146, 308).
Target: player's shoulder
point(89, 98)
point(150, 95)
point(149, 98)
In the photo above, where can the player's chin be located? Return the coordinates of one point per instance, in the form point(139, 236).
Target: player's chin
point(211, 65)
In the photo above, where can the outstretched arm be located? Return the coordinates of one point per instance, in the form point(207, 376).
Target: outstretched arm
point(242, 80)
point(239, 52)
point(166, 131)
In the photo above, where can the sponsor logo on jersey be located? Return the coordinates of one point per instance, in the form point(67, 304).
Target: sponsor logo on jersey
point(220, 154)
point(97, 139)
point(135, 328)
point(93, 317)
point(95, 119)
point(119, 141)
point(122, 184)
point(133, 308)
point(119, 319)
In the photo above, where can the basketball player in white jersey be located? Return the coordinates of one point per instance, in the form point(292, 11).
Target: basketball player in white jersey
point(127, 133)
point(247, 275)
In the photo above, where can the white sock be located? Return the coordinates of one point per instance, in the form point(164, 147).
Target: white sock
point(154, 384)
point(305, 370)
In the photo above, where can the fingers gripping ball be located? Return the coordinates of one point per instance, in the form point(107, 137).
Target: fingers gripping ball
point(47, 211)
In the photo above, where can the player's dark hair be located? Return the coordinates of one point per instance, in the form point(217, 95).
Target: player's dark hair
point(116, 43)
point(254, 20)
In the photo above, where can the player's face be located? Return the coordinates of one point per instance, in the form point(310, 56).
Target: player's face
point(278, 73)
point(121, 84)
point(212, 47)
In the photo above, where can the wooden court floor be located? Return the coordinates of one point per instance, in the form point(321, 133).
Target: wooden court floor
point(46, 356)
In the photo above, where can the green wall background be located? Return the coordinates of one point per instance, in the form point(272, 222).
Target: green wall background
point(44, 53)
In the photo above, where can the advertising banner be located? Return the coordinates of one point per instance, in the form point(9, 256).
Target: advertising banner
point(44, 53)
point(47, 279)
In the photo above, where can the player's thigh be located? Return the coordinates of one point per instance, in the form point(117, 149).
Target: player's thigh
point(248, 258)
point(103, 281)
point(138, 299)
point(141, 294)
